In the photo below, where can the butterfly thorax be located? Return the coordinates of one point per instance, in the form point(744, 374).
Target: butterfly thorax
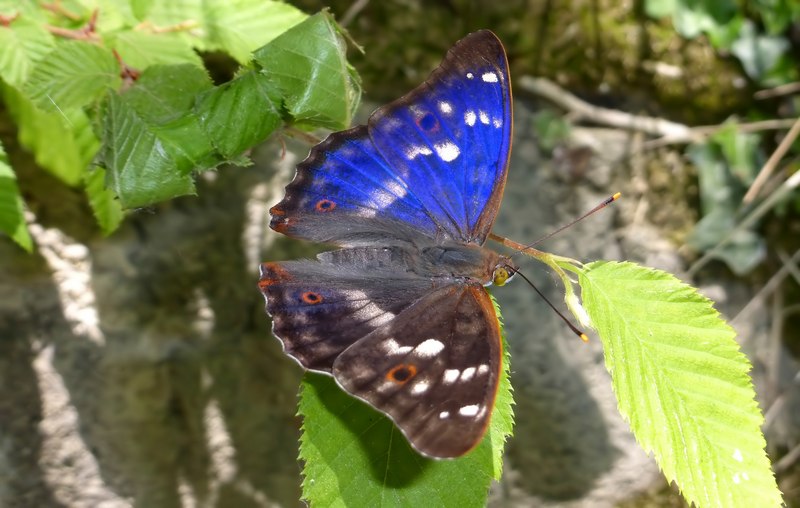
point(468, 261)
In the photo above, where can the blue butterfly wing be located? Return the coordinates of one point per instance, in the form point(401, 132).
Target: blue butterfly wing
point(450, 138)
point(345, 193)
point(433, 162)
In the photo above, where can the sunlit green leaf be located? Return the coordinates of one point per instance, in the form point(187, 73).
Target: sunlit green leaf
point(73, 75)
point(140, 49)
point(682, 383)
point(308, 65)
point(238, 27)
point(22, 44)
point(62, 142)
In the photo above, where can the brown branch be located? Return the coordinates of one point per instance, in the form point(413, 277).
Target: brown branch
point(7, 20)
point(772, 162)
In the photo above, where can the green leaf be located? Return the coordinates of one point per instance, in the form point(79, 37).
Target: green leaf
point(22, 44)
point(240, 26)
point(239, 114)
point(63, 142)
point(105, 205)
point(72, 76)
point(658, 9)
point(140, 171)
point(164, 98)
point(725, 167)
point(140, 49)
point(355, 456)
point(693, 17)
point(682, 383)
point(758, 53)
point(12, 219)
point(309, 67)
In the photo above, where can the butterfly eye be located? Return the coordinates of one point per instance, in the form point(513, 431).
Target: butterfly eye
point(325, 205)
point(311, 297)
point(402, 373)
point(500, 276)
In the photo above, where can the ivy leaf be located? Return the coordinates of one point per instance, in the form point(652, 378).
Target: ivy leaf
point(307, 64)
point(12, 220)
point(682, 383)
point(355, 456)
point(74, 74)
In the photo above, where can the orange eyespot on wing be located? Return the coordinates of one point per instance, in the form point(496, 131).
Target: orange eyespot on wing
point(402, 373)
point(325, 205)
point(272, 273)
point(311, 297)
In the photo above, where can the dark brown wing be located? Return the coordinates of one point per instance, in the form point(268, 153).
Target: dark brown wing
point(434, 369)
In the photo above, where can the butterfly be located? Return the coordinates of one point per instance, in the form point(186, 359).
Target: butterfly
point(399, 314)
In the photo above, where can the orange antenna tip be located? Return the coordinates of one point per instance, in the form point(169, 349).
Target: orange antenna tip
point(584, 337)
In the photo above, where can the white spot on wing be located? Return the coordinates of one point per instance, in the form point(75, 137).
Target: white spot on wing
point(497, 122)
point(470, 410)
point(391, 347)
point(470, 117)
point(383, 197)
point(420, 387)
point(470, 75)
point(447, 151)
point(483, 369)
point(484, 117)
point(468, 373)
point(445, 107)
point(489, 77)
point(450, 376)
point(430, 347)
point(414, 151)
point(444, 415)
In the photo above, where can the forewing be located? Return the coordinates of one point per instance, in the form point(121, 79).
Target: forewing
point(344, 193)
point(433, 162)
point(450, 138)
point(318, 308)
point(433, 369)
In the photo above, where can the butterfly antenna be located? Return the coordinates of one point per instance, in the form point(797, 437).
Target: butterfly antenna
point(572, 327)
point(521, 248)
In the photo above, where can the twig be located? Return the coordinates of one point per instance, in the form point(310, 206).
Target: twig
point(7, 20)
point(769, 93)
point(786, 187)
point(56, 8)
point(87, 32)
point(296, 133)
point(669, 132)
point(772, 284)
point(614, 118)
point(353, 11)
point(772, 162)
point(787, 460)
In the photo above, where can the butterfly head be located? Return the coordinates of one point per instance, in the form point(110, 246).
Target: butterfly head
point(504, 271)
